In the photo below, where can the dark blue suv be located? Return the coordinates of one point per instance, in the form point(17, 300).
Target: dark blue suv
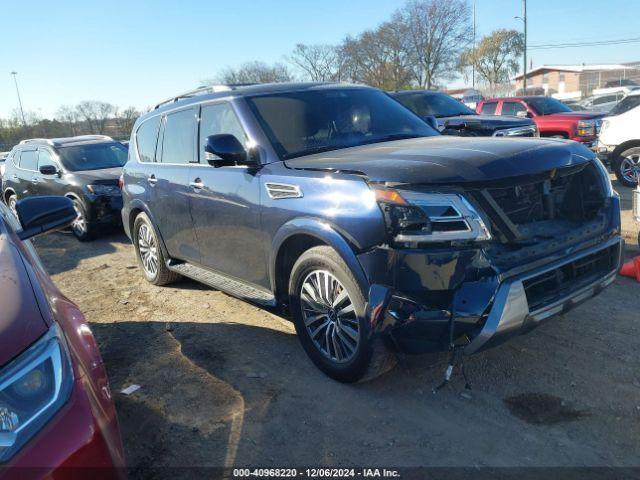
point(375, 232)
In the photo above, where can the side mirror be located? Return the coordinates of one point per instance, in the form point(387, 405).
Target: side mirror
point(432, 122)
point(224, 149)
point(48, 170)
point(40, 215)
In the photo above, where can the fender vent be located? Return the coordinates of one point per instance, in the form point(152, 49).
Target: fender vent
point(279, 191)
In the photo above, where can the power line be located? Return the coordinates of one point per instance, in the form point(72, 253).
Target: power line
point(549, 46)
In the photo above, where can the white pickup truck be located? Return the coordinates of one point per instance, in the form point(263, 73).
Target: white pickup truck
point(619, 139)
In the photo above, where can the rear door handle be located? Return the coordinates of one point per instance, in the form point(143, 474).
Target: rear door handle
point(152, 180)
point(197, 183)
point(14, 176)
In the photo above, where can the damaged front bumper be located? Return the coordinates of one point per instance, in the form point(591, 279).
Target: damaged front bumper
point(461, 303)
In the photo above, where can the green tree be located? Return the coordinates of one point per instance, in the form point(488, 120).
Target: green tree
point(496, 57)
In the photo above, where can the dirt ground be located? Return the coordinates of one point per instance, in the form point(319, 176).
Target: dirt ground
point(225, 383)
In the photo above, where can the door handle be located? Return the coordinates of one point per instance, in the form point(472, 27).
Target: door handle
point(14, 176)
point(197, 183)
point(152, 180)
point(34, 180)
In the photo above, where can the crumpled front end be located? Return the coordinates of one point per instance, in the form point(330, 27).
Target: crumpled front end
point(554, 242)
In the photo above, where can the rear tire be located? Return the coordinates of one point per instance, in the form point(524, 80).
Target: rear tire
point(328, 308)
point(150, 256)
point(627, 167)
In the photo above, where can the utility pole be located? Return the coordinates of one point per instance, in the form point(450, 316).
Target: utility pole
point(524, 64)
point(473, 64)
point(15, 80)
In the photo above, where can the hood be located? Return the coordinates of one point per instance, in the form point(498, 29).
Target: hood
point(493, 122)
point(103, 175)
point(21, 322)
point(576, 115)
point(448, 160)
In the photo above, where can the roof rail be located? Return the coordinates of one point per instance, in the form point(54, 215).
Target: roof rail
point(97, 137)
point(30, 140)
point(202, 91)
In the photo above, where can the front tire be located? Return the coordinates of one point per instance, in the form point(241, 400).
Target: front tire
point(328, 308)
point(11, 203)
point(150, 256)
point(627, 167)
point(80, 227)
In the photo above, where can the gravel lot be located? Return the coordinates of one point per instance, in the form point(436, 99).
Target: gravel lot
point(226, 383)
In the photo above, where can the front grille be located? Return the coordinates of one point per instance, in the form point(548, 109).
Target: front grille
point(528, 131)
point(543, 289)
point(573, 194)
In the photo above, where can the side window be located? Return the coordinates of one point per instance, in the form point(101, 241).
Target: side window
point(29, 160)
point(146, 139)
point(44, 158)
point(179, 137)
point(489, 108)
point(219, 119)
point(512, 108)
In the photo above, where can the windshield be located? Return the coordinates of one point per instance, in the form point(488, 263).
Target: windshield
point(313, 121)
point(94, 156)
point(625, 105)
point(547, 105)
point(435, 104)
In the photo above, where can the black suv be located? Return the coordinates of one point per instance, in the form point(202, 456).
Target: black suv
point(376, 232)
point(454, 118)
point(85, 169)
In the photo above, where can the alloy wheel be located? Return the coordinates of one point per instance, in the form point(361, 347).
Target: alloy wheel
point(79, 225)
point(630, 168)
point(148, 250)
point(329, 316)
point(12, 206)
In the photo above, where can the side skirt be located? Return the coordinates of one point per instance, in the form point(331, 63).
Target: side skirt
point(229, 285)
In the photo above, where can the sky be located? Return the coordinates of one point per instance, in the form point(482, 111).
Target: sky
point(138, 52)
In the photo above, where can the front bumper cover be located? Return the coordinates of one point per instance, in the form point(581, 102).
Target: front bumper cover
point(485, 312)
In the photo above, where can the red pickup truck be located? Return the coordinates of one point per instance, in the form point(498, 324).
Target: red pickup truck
point(553, 118)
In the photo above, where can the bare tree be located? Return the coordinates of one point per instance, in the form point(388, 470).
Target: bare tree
point(438, 30)
point(379, 57)
point(68, 116)
point(254, 72)
point(319, 63)
point(126, 119)
point(495, 57)
point(95, 114)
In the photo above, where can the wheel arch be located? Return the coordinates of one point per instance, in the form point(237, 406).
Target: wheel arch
point(622, 147)
point(297, 236)
point(137, 207)
point(7, 193)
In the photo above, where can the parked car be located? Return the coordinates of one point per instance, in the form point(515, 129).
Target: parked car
point(340, 205)
point(3, 158)
point(600, 103)
point(553, 118)
point(619, 140)
point(86, 169)
point(454, 118)
point(57, 416)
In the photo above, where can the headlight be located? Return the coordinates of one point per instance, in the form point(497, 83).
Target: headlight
point(606, 180)
point(414, 217)
point(586, 128)
point(33, 387)
point(104, 189)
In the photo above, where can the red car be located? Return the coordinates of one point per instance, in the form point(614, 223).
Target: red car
point(57, 416)
point(553, 118)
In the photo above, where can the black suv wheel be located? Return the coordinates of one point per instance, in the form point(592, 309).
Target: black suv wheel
point(149, 254)
point(328, 308)
point(80, 227)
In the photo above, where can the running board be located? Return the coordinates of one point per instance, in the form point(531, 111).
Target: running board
point(226, 284)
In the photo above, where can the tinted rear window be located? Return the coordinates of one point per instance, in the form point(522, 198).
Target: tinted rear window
point(489, 108)
point(95, 156)
point(146, 139)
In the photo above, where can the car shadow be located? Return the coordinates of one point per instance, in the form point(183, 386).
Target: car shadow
point(61, 251)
